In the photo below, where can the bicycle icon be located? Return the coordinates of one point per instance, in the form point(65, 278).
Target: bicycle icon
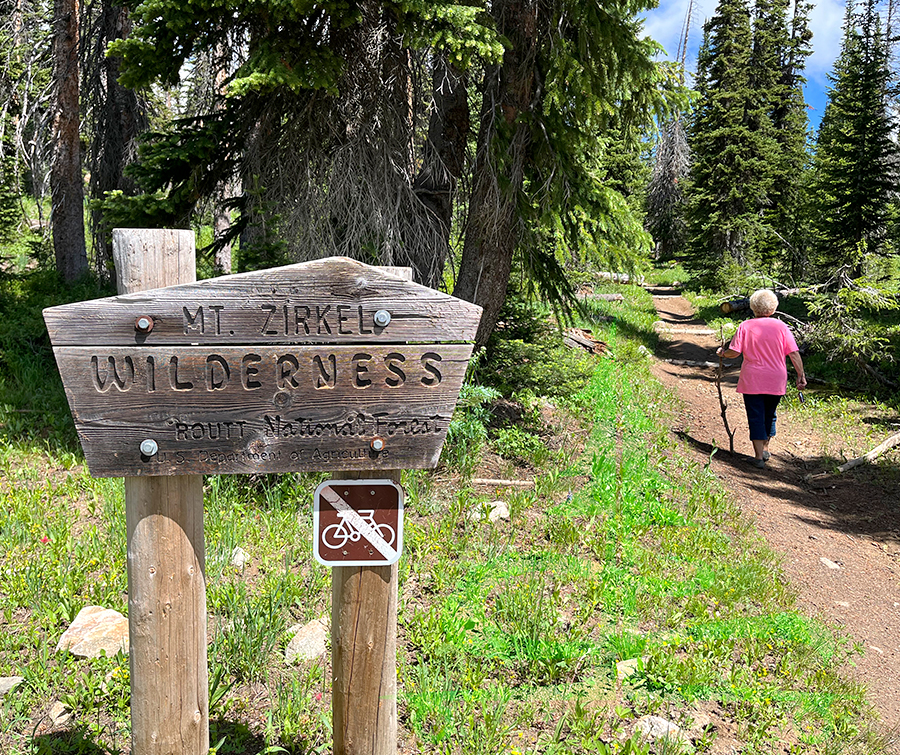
point(336, 536)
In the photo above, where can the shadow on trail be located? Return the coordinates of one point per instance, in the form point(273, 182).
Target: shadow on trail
point(864, 502)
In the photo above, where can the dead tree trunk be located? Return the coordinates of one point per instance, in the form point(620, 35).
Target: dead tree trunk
point(66, 187)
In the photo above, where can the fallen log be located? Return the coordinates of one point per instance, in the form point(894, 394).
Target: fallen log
point(868, 458)
point(619, 278)
point(663, 327)
point(576, 338)
point(503, 483)
point(735, 305)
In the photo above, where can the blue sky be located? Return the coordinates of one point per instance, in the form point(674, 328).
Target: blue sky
point(665, 23)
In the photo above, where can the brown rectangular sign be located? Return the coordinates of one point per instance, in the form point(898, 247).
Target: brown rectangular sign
point(262, 408)
point(326, 365)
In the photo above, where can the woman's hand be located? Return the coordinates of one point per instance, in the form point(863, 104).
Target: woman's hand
point(801, 382)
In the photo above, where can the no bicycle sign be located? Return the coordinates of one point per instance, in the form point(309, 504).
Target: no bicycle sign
point(358, 522)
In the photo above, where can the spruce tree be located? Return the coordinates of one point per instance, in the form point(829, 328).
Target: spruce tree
point(747, 138)
point(729, 142)
point(779, 51)
point(856, 156)
point(791, 180)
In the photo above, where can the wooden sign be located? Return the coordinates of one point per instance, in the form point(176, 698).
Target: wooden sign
point(358, 523)
point(325, 365)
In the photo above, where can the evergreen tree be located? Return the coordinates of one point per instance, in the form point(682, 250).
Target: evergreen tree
point(730, 138)
point(323, 122)
point(747, 137)
point(788, 217)
point(779, 51)
point(856, 156)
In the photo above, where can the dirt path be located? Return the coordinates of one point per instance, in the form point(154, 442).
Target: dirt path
point(841, 540)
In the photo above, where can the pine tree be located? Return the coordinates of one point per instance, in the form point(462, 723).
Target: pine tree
point(791, 173)
point(747, 137)
point(324, 125)
point(776, 65)
point(729, 180)
point(856, 156)
point(66, 183)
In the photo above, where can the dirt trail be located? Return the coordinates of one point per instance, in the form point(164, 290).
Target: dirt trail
point(841, 541)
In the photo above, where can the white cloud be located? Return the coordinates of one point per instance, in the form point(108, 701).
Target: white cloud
point(825, 20)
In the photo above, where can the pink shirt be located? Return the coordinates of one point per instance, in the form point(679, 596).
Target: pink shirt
point(764, 343)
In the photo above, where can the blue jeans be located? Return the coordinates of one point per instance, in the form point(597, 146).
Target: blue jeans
point(761, 414)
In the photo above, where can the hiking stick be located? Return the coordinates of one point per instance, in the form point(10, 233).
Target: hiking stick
point(723, 404)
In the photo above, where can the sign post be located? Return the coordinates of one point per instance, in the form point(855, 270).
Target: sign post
point(329, 365)
point(166, 552)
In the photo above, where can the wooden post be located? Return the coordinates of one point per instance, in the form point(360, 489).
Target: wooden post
point(364, 655)
point(364, 648)
point(166, 553)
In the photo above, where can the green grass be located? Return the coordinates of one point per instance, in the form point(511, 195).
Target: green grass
point(509, 632)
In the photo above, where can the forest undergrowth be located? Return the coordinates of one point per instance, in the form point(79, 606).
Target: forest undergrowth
point(624, 584)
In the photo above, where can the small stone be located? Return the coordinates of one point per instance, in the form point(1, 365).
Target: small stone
point(239, 558)
point(495, 510)
point(842, 603)
point(628, 667)
point(876, 649)
point(9, 683)
point(95, 630)
point(59, 714)
point(655, 728)
point(829, 563)
point(310, 642)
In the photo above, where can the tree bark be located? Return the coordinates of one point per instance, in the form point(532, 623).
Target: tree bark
point(67, 188)
point(444, 159)
point(115, 131)
point(493, 227)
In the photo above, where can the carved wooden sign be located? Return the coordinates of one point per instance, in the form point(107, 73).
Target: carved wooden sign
point(325, 365)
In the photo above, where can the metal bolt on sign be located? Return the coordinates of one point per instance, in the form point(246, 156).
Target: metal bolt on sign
point(149, 447)
point(143, 324)
point(382, 318)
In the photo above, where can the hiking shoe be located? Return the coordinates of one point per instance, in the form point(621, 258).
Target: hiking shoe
point(766, 455)
point(759, 463)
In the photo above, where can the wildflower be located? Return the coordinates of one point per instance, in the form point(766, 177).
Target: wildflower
point(45, 539)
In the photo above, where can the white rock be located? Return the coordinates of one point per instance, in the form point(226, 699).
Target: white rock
point(95, 629)
point(239, 558)
point(59, 714)
point(628, 667)
point(829, 563)
point(495, 510)
point(9, 683)
point(310, 642)
point(655, 728)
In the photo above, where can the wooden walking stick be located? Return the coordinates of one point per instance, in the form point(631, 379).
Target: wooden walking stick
point(723, 404)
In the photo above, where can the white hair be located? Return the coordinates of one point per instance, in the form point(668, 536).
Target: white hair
point(763, 302)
